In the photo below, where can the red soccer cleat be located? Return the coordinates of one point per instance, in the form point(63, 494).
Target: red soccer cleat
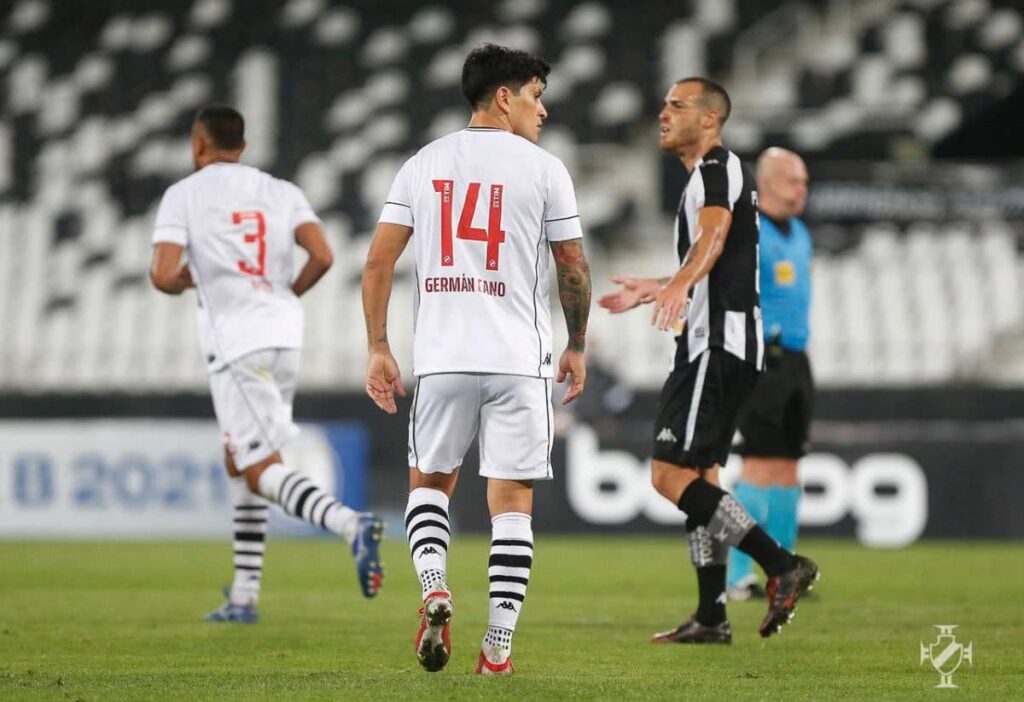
point(433, 640)
point(784, 591)
point(485, 667)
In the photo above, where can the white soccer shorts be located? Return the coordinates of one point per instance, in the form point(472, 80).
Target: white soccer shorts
point(511, 412)
point(252, 398)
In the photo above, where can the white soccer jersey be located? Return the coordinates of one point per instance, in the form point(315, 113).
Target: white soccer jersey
point(238, 226)
point(483, 204)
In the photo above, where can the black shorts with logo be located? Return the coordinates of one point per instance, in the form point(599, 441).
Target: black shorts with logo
point(776, 419)
point(698, 408)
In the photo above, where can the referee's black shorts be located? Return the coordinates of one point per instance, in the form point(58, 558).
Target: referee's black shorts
point(775, 421)
point(698, 408)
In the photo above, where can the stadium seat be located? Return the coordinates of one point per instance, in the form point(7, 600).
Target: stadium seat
point(95, 127)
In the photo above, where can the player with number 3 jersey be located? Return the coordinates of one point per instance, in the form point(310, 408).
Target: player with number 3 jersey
point(482, 207)
point(239, 226)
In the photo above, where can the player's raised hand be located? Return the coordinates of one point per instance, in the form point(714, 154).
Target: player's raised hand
point(383, 380)
point(669, 305)
point(634, 291)
point(572, 365)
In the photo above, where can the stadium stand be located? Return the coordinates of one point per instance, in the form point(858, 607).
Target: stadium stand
point(98, 97)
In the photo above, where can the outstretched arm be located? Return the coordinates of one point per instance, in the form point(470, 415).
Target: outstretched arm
point(310, 236)
point(712, 230)
point(383, 378)
point(167, 273)
point(574, 292)
point(633, 291)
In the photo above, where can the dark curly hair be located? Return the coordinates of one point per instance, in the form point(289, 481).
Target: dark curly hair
point(489, 67)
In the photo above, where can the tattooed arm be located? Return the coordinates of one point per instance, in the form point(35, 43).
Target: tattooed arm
point(574, 292)
point(383, 378)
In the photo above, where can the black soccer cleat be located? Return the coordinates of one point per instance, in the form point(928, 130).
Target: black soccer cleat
point(693, 632)
point(784, 591)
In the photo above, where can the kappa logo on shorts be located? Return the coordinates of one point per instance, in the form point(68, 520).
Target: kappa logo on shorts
point(505, 604)
point(666, 435)
point(253, 445)
point(547, 360)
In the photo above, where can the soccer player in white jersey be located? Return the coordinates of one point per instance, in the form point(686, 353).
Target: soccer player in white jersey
point(482, 205)
point(239, 226)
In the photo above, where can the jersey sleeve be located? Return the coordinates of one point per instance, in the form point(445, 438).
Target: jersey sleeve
point(721, 188)
point(561, 215)
point(398, 207)
point(301, 211)
point(171, 225)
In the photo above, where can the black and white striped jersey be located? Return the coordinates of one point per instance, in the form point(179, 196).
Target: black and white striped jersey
point(724, 307)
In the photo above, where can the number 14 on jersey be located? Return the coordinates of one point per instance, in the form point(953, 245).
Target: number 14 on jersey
point(493, 235)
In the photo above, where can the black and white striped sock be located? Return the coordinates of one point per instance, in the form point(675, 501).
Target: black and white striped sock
point(250, 532)
point(509, 573)
point(300, 497)
point(429, 532)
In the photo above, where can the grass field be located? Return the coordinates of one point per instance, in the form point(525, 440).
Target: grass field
point(120, 621)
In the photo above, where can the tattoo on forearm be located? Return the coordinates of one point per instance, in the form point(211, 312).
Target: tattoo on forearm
point(381, 338)
point(573, 289)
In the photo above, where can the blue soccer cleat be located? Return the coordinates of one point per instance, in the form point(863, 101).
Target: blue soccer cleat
point(229, 612)
point(366, 551)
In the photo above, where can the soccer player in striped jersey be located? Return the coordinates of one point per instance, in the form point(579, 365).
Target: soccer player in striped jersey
point(239, 227)
point(485, 203)
point(711, 304)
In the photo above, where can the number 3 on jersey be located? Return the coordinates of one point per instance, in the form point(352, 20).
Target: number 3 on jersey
point(493, 235)
point(259, 237)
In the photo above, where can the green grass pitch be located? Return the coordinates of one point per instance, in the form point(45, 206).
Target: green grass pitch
point(106, 621)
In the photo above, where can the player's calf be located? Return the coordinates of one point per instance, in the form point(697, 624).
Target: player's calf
point(709, 623)
point(428, 530)
point(789, 576)
point(508, 571)
point(299, 497)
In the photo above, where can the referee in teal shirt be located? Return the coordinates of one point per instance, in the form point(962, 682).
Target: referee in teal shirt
point(773, 424)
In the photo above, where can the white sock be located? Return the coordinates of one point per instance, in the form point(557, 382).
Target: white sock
point(509, 573)
point(429, 533)
point(300, 497)
point(250, 524)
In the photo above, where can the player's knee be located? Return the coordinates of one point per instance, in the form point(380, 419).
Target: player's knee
point(252, 473)
point(785, 474)
point(252, 478)
point(662, 481)
point(445, 482)
point(757, 471)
